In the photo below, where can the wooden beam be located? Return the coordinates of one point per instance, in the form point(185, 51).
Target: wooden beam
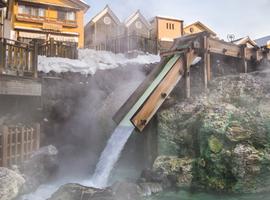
point(2, 55)
point(206, 61)
point(4, 146)
point(159, 95)
point(223, 48)
point(139, 91)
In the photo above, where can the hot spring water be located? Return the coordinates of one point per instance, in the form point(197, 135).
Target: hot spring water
point(110, 155)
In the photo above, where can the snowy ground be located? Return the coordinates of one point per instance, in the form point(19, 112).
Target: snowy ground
point(90, 61)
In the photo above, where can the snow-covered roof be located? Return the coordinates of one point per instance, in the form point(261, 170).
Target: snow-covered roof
point(106, 10)
point(137, 15)
point(169, 17)
point(261, 42)
point(202, 25)
point(245, 40)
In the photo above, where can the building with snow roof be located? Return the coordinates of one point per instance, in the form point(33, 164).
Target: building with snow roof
point(246, 41)
point(62, 20)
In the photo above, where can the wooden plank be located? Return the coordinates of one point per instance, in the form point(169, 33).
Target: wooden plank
point(18, 86)
point(22, 143)
point(224, 48)
point(4, 146)
point(37, 138)
point(120, 114)
point(189, 57)
point(10, 146)
point(2, 55)
point(155, 100)
point(16, 145)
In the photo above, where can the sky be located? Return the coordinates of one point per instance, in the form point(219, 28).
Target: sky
point(238, 17)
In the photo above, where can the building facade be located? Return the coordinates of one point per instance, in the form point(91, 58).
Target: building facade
point(165, 30)
point(62, 20)
point(198, 27)
point(103, 27)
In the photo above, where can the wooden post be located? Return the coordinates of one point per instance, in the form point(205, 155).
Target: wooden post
point(16, 145)
point(37, 138)
point(187, 75)
point(207, 63)
point(244, 67)
point(52, 49)
point(22, 143)
point(2, 55)
point(4, 146)
point(76, 51)
point(35, 59)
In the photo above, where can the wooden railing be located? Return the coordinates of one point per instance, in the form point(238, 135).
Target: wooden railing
point(125, 44)
point(17, 143)
point(54, 48)
point(17, 58)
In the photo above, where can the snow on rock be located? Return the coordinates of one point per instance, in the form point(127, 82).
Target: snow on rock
point(90, 61)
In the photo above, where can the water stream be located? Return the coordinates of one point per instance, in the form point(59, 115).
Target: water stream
point(110, 155)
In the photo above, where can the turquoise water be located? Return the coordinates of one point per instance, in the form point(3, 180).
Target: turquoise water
point(185, 195)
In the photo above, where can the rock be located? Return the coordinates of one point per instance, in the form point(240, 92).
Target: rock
point(148, 189)
point(178, 170)
point(11, 184)
point(214, 144)
point(42, 166)
point(79, 192)
point(126, 191)
point(226, 132)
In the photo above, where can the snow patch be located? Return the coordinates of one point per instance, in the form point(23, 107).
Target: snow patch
point(90, 61)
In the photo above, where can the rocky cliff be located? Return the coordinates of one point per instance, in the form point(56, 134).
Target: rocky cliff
point(219, 140)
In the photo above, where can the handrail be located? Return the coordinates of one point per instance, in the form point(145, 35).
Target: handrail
point(18, 57)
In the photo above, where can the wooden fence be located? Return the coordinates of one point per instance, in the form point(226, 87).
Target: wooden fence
point(18, 58)
point(17, 143)
point(125, 44)
point(54, 48)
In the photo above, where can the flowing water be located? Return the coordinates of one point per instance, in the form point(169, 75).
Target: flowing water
point(110, 155)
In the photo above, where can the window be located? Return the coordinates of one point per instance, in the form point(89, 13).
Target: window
point(70, 16)
point(170, 26)
point(61, 15)
point(31, 11)
point(64, 15)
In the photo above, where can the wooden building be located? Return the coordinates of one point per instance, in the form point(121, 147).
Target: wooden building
point(103, 27)
point(165, 30)
point(198, 27)
point(137, 24)
point(246, 41)
point(62, 20)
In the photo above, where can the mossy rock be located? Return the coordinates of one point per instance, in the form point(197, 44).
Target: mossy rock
point(214, 144)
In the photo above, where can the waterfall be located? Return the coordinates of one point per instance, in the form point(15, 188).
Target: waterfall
point(110, 155)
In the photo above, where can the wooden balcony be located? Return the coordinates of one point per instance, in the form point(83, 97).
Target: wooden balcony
point(18, 68)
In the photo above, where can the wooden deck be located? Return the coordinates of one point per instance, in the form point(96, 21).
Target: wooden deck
point(189, 47)
point(18, 68)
